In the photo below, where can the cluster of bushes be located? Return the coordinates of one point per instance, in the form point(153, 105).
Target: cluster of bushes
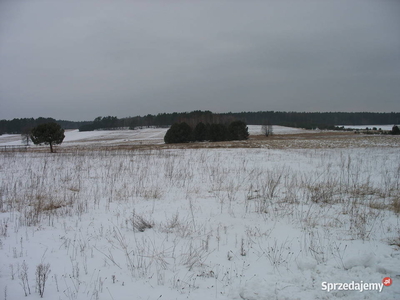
point(395, 130)
point(183, 133)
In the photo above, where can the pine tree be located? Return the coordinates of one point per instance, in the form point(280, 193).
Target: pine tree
point(200, 132)
point(238, 131)
point(218, 132)
point(48, 134)
point(178, 133)
point(395, 130)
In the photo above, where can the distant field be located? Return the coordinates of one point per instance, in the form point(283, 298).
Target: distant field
point(383, 127)
point(146, 136)
point(152, 135)
point(283, 137)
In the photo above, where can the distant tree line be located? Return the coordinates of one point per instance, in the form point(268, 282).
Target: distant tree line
point(308, 120)
point(159, 120)
point(321, 120)
point(24, 125)
point(215, 132)
point(106, 123)
point(305, 120)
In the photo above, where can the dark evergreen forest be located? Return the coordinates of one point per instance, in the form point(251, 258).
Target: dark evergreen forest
point(308, 120)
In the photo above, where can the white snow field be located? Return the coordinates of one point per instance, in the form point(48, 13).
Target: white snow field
point(132, 137)
point(256, 129)
point(74, 137)
point(252, 224)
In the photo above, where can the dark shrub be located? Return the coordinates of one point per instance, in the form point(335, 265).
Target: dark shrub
point(178, 133)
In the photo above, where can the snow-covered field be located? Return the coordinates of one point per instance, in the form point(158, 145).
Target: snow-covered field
point(256, 130)
point(138, 136)
point(198, 223)
point(74, 137)
point(148, 135)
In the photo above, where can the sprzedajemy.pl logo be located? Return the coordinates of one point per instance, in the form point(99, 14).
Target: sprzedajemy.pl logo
point(356, 286)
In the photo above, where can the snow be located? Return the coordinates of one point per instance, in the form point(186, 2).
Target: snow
point(137, 136)
point(116, 136)
point(152, 135)
point(72, 137)
point(277, 129)
point(10, 139)
point(225, 223)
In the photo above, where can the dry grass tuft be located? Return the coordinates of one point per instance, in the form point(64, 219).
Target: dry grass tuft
point(396, 204)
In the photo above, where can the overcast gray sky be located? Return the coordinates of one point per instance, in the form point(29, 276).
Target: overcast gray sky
point(79, 59)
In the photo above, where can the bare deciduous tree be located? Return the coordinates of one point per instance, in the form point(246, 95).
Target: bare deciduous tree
point(266, 128)
point(26, 136)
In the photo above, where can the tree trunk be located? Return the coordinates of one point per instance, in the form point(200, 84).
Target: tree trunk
point(51, 147)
